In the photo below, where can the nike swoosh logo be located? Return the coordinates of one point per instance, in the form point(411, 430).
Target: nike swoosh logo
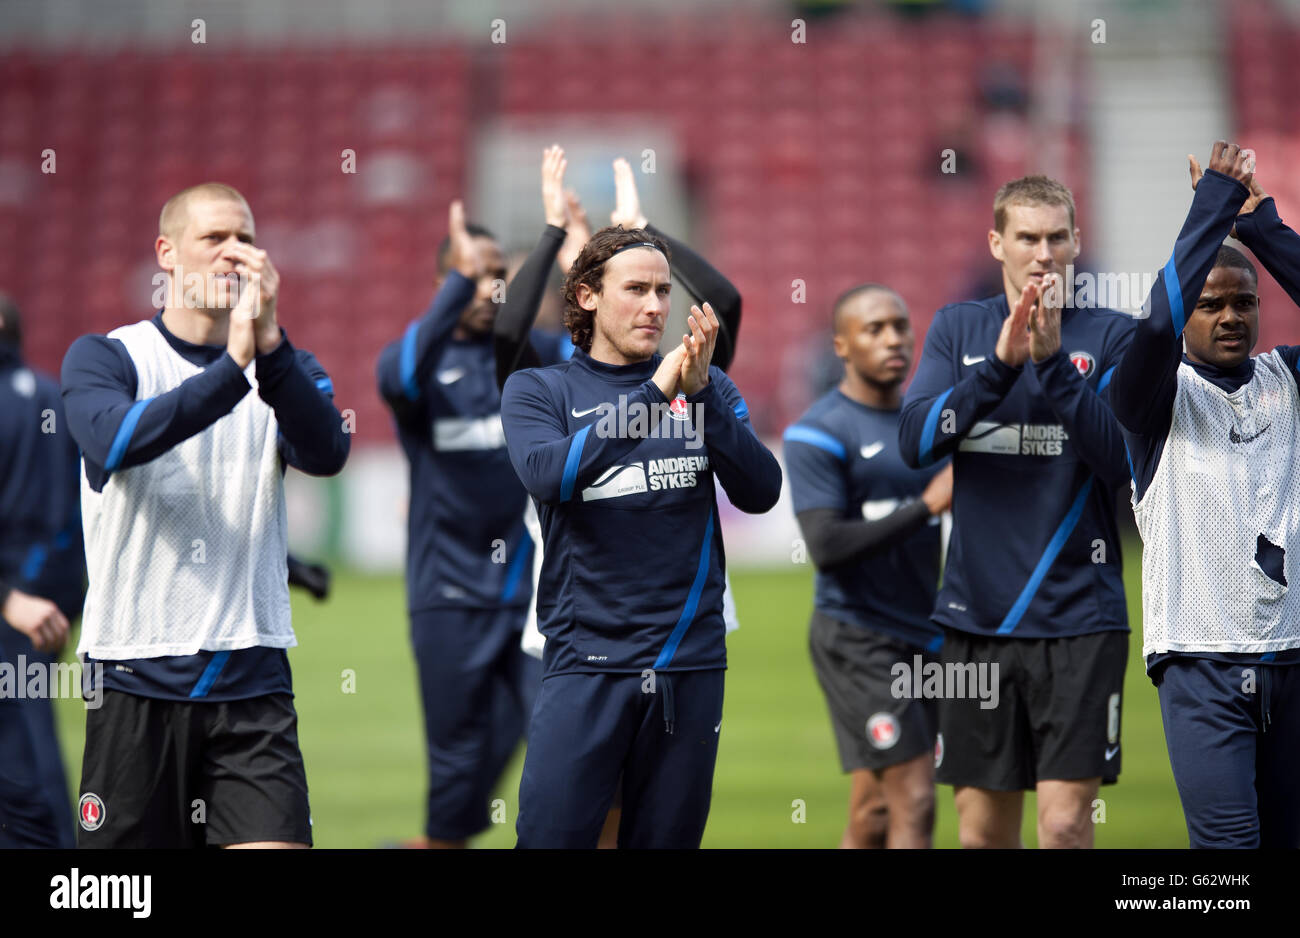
point(718, 727)
point(869, 451)
point(1238, 438)
point(1110, 753)
point(972, 359)
point(583, 413)
point(451, 375)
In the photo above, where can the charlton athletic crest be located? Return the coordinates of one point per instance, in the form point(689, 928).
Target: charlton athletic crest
point(678, 409)
point(91, 810)
point(882, 730)
point(1084, 362)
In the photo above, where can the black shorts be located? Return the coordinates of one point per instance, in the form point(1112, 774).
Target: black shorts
point(873, 728)
point(166, 773)
point(1057, 712)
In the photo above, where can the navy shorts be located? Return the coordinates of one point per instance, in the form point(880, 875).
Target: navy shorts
point(1232, 732)
point(477, 687)
point(659, 731)
point(35, 808)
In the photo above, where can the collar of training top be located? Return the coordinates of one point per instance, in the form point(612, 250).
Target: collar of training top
point(1227, 378)
point(637, 370)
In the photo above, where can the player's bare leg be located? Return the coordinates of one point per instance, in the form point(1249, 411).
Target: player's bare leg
point(1065, 813)
point(988, 819)
point(609, 833)
point(909, 794)
point(868, 814)
point(266, 845)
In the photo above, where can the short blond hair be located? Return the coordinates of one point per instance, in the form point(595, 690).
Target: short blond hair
point(1030, 190)
point(174, 215)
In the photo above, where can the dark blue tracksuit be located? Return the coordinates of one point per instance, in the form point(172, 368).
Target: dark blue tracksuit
point(630, 594)
point(99, 389)
point(1037, 462)
point(468, 561)
point(40, 554)
point(1231, 720)
point(844, 455)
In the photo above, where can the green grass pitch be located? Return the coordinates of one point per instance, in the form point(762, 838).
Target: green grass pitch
point(363, 750)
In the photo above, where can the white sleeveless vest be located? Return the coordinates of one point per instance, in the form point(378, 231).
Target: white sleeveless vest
point(188, 551)
point(1230, 471)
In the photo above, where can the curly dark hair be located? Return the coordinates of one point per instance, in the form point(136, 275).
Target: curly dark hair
point(589, 268)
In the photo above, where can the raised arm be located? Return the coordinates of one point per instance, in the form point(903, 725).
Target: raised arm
point(1261, 229)
point(706, 284)
point(514, 322)
point(515, 319)
point(701, 279)
point(1142, 390)
point(405, 365)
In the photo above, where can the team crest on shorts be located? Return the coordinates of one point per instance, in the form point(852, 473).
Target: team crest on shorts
point(938, 750)
point(882, 730)
point(1084, 362)
point(679, 409)
point(91, 811)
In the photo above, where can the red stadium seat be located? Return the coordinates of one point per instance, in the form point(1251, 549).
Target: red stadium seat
point(795, 149)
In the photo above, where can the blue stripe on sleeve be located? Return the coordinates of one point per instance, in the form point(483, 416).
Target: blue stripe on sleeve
point(210, 674)
point(1045, 562)
point(1175, 291)
point(117, 452)
point(571, 462)
point(817, 438)
point(1105, 379)
point(692, 601)
point(925, 457)
point(742, 409)
point(406, 362)
point(325, 384)
point(516, 568)
point(34, 562)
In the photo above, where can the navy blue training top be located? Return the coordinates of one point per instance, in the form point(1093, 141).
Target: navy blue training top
point(844, 455)
point(466, 542)
point(40, 490)
point(632, 576)
point(1038, 461)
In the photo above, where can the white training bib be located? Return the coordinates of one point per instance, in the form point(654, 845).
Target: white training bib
point(1228, 475)
point(187, 552)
